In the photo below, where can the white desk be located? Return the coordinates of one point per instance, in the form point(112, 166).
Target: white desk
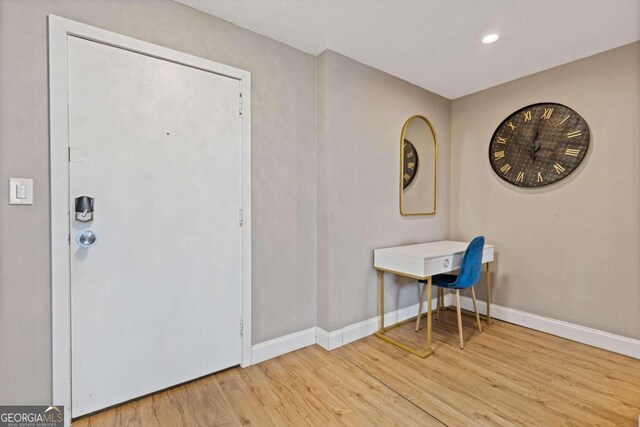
point(422, 261)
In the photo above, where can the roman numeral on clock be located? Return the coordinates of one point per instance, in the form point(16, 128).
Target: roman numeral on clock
point(511, 125)
point(520, 177)
point(574, 134)
point(558, 167)
point(527, 115)
point(411, 165)
point(539, 179)
point(407, 177)
point(501, 140)
point(572, 152)
point(506, 168)
point(498, 155)
point(547, 113)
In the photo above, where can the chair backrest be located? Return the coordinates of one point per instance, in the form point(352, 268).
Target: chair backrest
point(471, 266)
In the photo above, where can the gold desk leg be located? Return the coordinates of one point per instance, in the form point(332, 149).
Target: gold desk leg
point(429, 320)
point(489, 321)
point(380, 334)
point(381, 280)
point(420, 305)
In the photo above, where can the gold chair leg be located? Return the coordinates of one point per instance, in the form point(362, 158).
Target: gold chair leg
point(459, 319)
point(424, 285)
point(475, 308)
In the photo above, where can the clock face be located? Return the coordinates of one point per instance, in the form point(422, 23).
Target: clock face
point(538, 145)
point(410, 163)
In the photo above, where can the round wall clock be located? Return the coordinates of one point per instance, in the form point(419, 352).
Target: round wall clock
point(538, 145)
point(410, 159)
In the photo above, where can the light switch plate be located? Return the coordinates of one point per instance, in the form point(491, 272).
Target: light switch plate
point(20, 191)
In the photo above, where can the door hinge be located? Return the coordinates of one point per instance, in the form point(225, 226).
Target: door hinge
point(240, 217)
point(240, 112)
point(241, 326)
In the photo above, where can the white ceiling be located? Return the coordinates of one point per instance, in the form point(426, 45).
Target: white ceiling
point(436, 44)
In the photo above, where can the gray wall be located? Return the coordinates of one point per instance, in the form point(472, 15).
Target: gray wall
point(284, 176)
point(360, 115)
point(569, 251)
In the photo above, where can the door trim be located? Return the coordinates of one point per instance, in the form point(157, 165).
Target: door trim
point(59, 29)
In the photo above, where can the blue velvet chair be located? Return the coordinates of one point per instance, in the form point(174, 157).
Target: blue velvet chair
point(467, 277)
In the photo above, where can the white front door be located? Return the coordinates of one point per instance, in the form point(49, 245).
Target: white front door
point(156, 301)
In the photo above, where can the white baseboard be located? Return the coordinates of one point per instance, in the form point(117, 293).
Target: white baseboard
point(328, 340)
point(279, 346)
point(340, 337)
point(593, 337)
point(332, 340)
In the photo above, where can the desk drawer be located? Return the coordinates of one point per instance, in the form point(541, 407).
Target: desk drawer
point(442, 264)
point(448, 263)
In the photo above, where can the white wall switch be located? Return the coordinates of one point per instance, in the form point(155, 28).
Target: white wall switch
point(20, 191)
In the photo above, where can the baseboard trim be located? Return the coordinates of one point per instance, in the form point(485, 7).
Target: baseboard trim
point(282, 345)
point(328, 340)
point(582, 334)
point(334, 339)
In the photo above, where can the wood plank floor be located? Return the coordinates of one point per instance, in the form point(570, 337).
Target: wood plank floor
point(506, 375)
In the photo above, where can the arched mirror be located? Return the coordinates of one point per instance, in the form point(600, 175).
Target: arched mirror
point(418, 167)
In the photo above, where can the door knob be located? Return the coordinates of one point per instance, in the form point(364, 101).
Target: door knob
point(86, 238)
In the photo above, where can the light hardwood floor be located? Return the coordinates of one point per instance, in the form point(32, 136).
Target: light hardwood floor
point(507, 375)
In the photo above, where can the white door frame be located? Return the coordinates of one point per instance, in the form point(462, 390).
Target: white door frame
point(59, 31)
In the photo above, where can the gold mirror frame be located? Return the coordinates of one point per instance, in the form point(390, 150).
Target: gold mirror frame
point(435, 167)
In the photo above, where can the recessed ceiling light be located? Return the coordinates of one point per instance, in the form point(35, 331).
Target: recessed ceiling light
point(490, 38)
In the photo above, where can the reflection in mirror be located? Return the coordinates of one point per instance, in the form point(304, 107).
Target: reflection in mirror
point(418, 167)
